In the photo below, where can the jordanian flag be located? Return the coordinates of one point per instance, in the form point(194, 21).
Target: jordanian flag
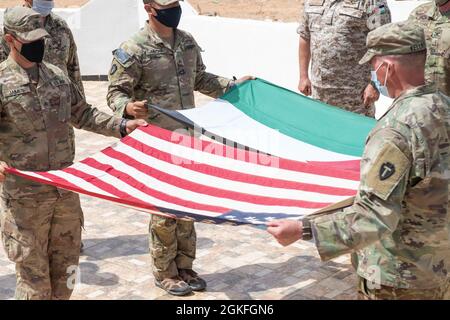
point(282, 156)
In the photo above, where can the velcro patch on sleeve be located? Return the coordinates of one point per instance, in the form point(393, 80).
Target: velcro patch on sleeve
point(123, 57)
point(388, 169)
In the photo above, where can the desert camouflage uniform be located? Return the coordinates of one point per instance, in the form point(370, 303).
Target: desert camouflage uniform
point(4, 49)
point(41, 224)
point(437, 34)
point(60, 49)
point(399, 223)
point(337, 32)
point(146, 67)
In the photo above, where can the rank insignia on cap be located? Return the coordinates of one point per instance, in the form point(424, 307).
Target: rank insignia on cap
point(387, 170)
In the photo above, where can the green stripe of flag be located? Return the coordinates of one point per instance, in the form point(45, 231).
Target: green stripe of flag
point(302, 118)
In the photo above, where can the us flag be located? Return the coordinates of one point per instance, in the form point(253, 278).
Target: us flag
point(176, 175)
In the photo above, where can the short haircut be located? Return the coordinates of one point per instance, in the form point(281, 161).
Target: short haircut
point(415, 59)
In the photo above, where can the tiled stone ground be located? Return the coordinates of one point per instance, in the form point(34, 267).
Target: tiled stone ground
point(237, 262)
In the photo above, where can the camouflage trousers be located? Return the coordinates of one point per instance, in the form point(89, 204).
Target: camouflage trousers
point(350, 100)
point(172, 246)
point(391, 293)
point(42, 236)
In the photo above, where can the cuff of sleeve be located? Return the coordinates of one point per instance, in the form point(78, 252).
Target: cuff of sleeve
point(303, 33)
point(120, 108)
point(231, 84)
point(328, 246)
point(116, 127)
point(227, 84)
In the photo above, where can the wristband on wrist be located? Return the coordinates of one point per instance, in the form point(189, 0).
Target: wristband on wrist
point(123, 127)
point(307, 230)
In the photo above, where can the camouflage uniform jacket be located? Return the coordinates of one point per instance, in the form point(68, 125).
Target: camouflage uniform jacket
point(337, 31)
point(36, 123)
point(60, 49)
point(4, 49)
point(399, 223)
point(147, 68)
point(437, 33)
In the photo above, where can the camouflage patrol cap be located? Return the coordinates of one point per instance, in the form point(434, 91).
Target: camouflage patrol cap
point(24, 23)
point(394, 39)
point(162, 2)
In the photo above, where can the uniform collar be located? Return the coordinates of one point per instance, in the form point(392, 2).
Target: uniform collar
point(22, 77)
point(153, 35)
point(49, 20)
point(434, 14)
point(45, 75)
point(417, 91)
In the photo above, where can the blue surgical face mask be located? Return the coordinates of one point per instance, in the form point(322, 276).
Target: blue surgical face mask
point(43, 7)
point(381, 88)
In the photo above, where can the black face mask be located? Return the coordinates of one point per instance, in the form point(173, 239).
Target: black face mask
point(33, 51)
point(169, 17)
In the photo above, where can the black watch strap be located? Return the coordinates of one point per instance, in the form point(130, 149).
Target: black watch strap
point(123, 127)
point(307, 230)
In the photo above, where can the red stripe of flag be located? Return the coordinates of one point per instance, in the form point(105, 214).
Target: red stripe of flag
point(234, 175)
point(230, 152)
point(133, 183)
point(65, 184)
point(208, 190)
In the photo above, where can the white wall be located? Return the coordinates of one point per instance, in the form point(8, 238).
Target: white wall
point(232, 47)
point(99, 27)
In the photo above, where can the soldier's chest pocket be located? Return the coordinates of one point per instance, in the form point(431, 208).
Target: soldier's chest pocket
point(189, 55)
point(57, 102)
point(23, 109)
point(348, 20)
point(156, 63)
point(314, 13)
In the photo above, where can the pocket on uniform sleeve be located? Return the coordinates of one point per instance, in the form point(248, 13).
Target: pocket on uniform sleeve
point(314, 16)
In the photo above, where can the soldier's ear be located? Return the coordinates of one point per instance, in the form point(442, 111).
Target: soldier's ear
point(150, 10)
point(9, 38)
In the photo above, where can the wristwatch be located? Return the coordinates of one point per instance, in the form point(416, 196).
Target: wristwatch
point(123, 127)
point(307, 230)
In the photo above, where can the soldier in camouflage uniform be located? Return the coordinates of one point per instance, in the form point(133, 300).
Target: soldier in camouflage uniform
point(60, 47)
point(434, 18)
point(162, 65)
point(399, 222)
point(4, 50)
point(41, 224)
point(333, 36)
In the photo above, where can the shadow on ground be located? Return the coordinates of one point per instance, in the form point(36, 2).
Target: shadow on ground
point(244, 281)
point(128, 245)
point(7, 286)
